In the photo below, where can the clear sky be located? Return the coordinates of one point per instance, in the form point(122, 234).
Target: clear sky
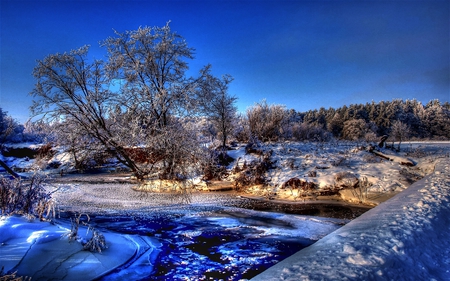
point(303, 54)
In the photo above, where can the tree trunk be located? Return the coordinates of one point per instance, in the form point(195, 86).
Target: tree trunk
point(9, 170)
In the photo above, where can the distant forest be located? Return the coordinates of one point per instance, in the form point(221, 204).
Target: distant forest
point(430, 121)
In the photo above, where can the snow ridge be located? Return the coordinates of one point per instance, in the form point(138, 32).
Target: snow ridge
point(404, 238)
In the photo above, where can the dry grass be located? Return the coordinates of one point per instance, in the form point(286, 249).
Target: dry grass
point(12, 276)
point(360, 192)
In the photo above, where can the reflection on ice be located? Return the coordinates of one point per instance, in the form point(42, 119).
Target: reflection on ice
point(227, 243)
point(198, 242)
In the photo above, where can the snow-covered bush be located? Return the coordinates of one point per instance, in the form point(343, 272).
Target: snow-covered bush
point(242, 129)
point(266, 121)
point(95, 244)
point(255, 172)
point(300, 187)
point(345, 179)
point(310, 132)
point(214, 166)
point(25, 197)
point(10, 130)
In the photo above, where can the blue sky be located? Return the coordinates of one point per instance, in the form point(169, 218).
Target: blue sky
point(303, 54)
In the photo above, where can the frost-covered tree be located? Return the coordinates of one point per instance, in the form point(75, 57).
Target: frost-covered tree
point(266, 121)
point(151, 64)
point(336, 124)
point(8, 127)
point(218, 105)
point(400, 131)
point(354, 129)
point(131, 106)
point(437, 119)
point(71, 89)
point(242, 129)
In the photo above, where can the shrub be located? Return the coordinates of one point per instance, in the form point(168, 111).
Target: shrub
point(214, 165)
point(306, 131)
point(45, 152)
point(253, 147)
point(17, 196)
point(360, 191)
point(345, 180)
point(300, 188)
point(95, 244)
point(254, 173)
point(266, 121)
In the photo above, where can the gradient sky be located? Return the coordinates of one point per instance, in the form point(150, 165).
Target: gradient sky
point(303, 54)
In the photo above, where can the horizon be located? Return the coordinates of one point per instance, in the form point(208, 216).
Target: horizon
point(301, 54)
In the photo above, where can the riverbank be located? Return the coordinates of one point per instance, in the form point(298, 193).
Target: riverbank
point(404, 238)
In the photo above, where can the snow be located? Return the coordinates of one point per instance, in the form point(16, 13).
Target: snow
point(404, 238)
point(386, 177)
point(39, 250)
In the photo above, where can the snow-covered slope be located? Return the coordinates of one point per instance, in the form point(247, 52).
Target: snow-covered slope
point(404, 238)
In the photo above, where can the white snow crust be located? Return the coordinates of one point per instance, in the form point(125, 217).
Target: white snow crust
point(404, 238)
point(39, 249)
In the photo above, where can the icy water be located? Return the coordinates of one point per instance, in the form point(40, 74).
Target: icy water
point(210, 242)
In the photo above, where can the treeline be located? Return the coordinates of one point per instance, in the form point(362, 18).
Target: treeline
point(431, 121)
point(408, 119)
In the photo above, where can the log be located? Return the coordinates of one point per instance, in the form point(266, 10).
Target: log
point(395, 158)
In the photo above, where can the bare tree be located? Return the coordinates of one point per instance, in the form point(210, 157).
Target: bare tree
point(151, 63)
point(70, 89)
point(141, 123)
point(7, 126)
point(400, 131)
point(218, 105)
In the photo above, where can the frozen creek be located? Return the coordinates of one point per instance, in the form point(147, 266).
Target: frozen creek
point(154, 237)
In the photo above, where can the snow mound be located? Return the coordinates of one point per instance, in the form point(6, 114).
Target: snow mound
point(39, 250)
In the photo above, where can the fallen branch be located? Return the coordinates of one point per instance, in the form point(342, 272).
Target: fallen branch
point(395, 158)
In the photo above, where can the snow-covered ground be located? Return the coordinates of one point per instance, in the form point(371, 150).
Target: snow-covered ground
point(319, 163)
point(40, 250)
point(404, 238)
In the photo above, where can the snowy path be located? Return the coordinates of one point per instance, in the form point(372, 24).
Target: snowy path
point(404, 238)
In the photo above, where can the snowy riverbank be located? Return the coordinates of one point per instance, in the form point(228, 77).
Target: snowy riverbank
point(41, 251)
point(404, 238)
